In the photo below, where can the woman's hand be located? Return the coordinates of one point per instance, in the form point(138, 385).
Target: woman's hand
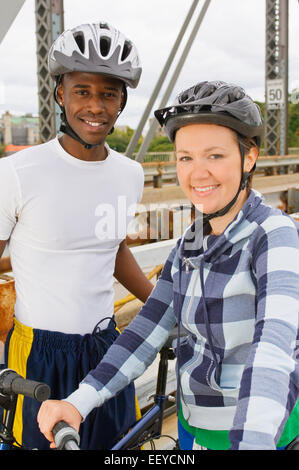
point(52, 411)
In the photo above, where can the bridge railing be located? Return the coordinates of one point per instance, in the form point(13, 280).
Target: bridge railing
point(157, 172)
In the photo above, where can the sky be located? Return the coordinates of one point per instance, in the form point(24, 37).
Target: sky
point(229, 46)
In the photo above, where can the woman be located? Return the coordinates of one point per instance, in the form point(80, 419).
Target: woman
point(231, 282)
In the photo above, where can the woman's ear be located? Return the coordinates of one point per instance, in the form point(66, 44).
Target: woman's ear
point(250, 159)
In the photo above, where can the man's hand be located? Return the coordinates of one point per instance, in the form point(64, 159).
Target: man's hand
point(52, 411)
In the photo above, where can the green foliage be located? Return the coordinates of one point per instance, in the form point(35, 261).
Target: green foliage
point(120, 139)
point(262, 106)
point(2, 147)
point(293, 123)
point(160, 144)
point(293, 127)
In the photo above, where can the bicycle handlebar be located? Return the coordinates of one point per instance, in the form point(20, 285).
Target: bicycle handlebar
point(13, 383)
point(65, 436)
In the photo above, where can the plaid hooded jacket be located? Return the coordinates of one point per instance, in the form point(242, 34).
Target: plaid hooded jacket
point(237, 295)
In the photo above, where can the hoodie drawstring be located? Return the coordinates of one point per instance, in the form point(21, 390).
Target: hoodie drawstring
point(178, 339)
point(207, 322)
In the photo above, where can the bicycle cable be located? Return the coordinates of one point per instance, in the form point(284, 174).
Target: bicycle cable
point(14, 439)
point(151, 440)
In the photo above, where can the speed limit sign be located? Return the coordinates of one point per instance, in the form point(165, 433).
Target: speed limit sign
point(275, 94)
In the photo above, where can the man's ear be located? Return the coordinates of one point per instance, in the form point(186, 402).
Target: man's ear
point(124, 97)
point(60, 94)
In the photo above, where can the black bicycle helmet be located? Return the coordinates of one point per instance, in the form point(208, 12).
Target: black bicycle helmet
point(214, 102)
point(94, 48)
point(221, 103)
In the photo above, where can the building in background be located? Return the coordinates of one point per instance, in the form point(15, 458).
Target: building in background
point(19, 130)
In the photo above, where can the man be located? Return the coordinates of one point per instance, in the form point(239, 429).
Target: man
point(63, 211)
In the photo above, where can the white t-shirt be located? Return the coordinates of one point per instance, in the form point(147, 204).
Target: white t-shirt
point(65, 219)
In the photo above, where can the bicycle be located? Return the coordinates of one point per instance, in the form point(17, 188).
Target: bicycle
point(12, 385)
point(147, 429)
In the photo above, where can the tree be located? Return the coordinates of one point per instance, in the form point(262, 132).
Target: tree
point(293, 122)
point(160, 144)
point(293, 127)
point(120, 139)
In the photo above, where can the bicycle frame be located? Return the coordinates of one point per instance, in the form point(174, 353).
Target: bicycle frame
point(150, 425)
point(142, 430)
point(9, 403)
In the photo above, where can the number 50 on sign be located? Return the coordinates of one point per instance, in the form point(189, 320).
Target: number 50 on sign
point(275, 94)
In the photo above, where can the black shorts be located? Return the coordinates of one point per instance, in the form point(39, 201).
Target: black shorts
point(62, 361)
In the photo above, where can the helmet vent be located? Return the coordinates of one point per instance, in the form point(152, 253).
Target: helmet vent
point(79, 38)
point(95, 48)
point(105, 44)
point(104, 26)
point(126, 50)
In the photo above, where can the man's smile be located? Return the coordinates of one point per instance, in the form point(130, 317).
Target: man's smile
point(93, 124)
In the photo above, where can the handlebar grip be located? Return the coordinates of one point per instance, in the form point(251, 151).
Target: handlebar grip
point(59, 426)
point(13, 383)
point(30, 388)
point(65, 436)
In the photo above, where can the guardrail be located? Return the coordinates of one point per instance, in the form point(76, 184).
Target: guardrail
point(166, 156)
point(158, 172)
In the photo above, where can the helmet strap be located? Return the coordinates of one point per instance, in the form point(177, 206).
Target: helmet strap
point(66, 129)
point(244, 178)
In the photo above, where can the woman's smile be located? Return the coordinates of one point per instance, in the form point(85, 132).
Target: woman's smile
point(204, 191)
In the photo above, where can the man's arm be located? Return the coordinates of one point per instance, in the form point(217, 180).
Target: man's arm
point(128, 273)
point(2, 246)
point(5, 264)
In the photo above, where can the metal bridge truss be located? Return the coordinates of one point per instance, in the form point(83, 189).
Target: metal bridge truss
point(49, 24)
point(276, 74)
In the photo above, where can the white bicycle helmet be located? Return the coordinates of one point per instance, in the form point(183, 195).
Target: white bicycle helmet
point(95, 48)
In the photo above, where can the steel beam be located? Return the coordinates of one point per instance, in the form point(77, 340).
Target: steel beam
point(9, 12)
point(49, 24)
point(276, 69)
point(284, 72)
point(145, 144)
point(134, 140)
